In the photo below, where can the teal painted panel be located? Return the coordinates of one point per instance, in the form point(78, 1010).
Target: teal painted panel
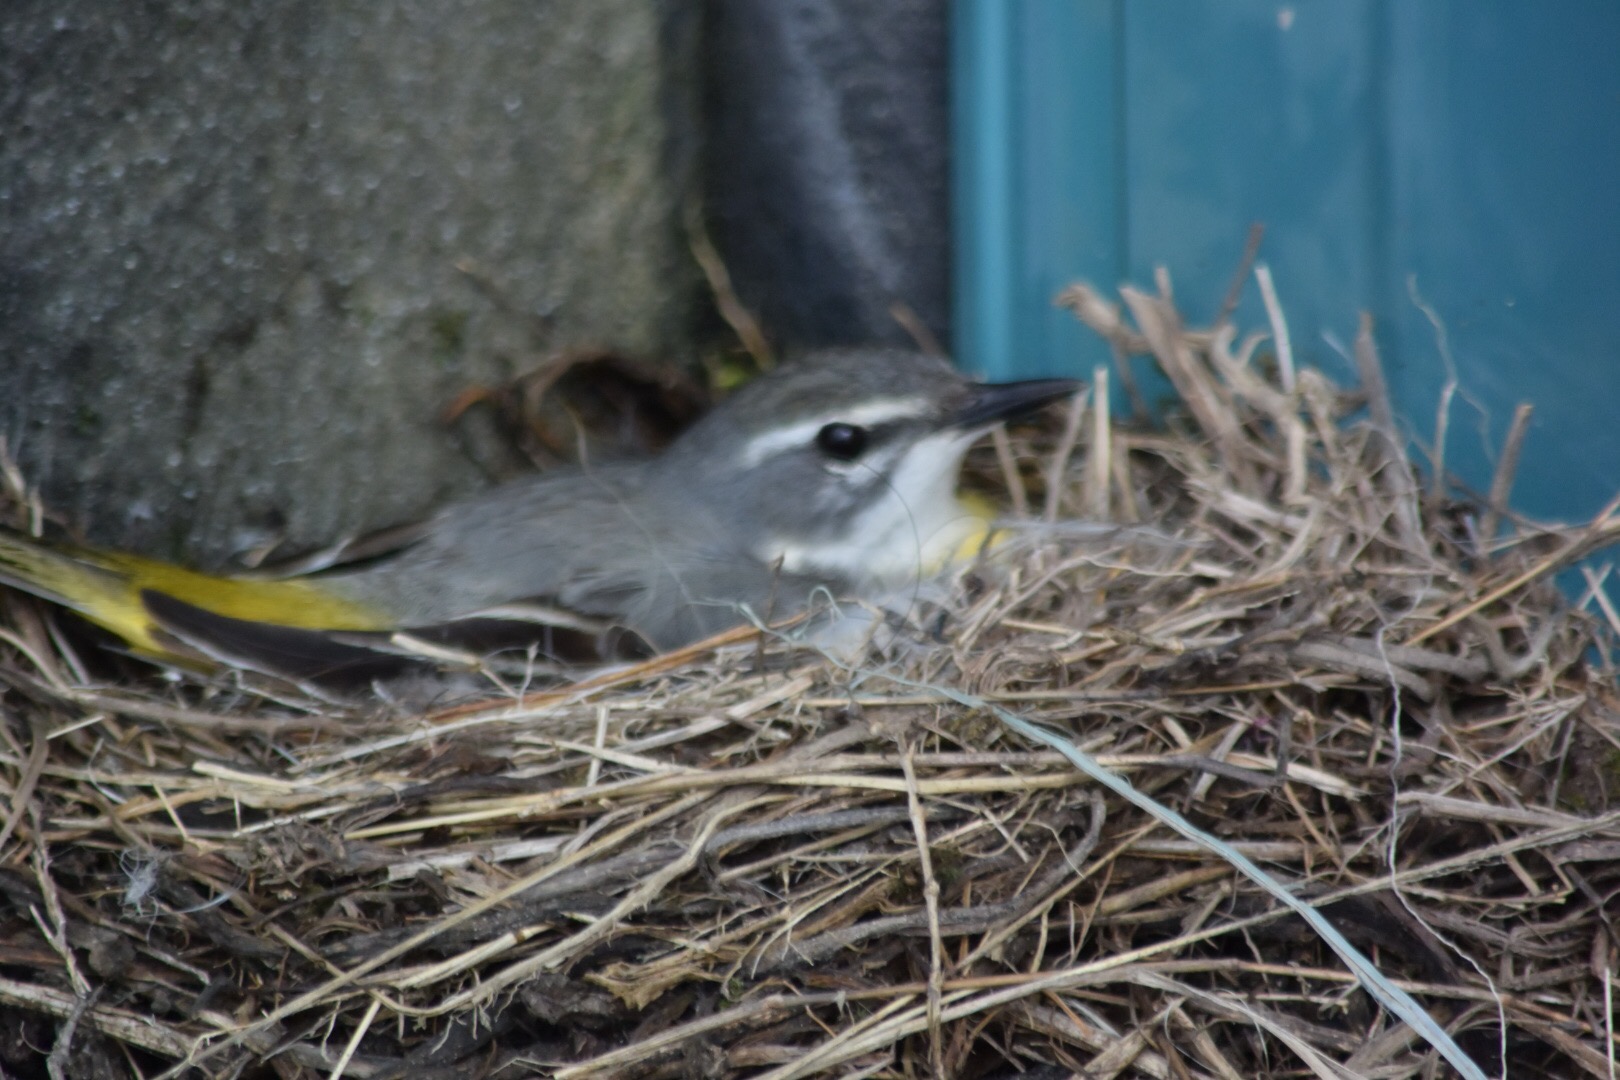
point(1471, 146)
point(1037, 192)
point(1234, 120)
point(1505, 206)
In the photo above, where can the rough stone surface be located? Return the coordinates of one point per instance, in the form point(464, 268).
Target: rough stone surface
point(828, 164)
point(229, 229)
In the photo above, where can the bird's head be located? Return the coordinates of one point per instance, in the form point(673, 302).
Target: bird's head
point(844, 465)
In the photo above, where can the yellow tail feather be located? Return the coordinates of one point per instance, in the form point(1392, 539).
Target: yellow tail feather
point(105, 587)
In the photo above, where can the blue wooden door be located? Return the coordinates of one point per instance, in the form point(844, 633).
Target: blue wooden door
point(1459, 155)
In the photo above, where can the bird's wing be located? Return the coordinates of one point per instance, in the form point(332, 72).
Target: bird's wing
point(594, 545)
point(523, 541)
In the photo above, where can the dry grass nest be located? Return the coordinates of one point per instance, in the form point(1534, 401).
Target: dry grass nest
point(749, 860)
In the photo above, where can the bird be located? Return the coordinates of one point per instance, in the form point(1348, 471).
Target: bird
point(834, 477)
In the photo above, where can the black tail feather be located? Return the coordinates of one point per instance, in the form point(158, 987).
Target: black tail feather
point(305, 655)
point(348, 658)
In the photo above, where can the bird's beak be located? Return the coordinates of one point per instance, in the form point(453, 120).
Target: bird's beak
point(990, 402)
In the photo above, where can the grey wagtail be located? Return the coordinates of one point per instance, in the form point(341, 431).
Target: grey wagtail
point(835, 476)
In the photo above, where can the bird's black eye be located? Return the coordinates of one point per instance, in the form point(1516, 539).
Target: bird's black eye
point(843, 442)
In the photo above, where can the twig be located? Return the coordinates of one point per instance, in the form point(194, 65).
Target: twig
point(912, 323)
point(930, 884)
point(1507, 468)
point(353, 1044)
point(1279, 327)
point(56, 1065)
point(732, 309)
point(1101, 461)
point(39, 748)
point(1065, 450)
point(1442, 427)
point(1009, 471)
point(1240, 276)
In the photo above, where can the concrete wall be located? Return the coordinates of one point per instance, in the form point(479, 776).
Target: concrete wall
point(229, 229)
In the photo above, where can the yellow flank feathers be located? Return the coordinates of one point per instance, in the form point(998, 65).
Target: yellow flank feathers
point(979, 537)
point(105, 587)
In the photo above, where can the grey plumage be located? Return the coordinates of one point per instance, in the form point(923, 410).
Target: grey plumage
point(746, 510)
point(600, 542)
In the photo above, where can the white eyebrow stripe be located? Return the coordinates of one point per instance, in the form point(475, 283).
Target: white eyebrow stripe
point(769, 443)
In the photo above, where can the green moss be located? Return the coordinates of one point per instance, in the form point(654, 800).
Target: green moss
point(449, 331)
point(948, 865)
point(87, 421)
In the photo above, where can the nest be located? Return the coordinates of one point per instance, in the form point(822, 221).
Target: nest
point(747, 859)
